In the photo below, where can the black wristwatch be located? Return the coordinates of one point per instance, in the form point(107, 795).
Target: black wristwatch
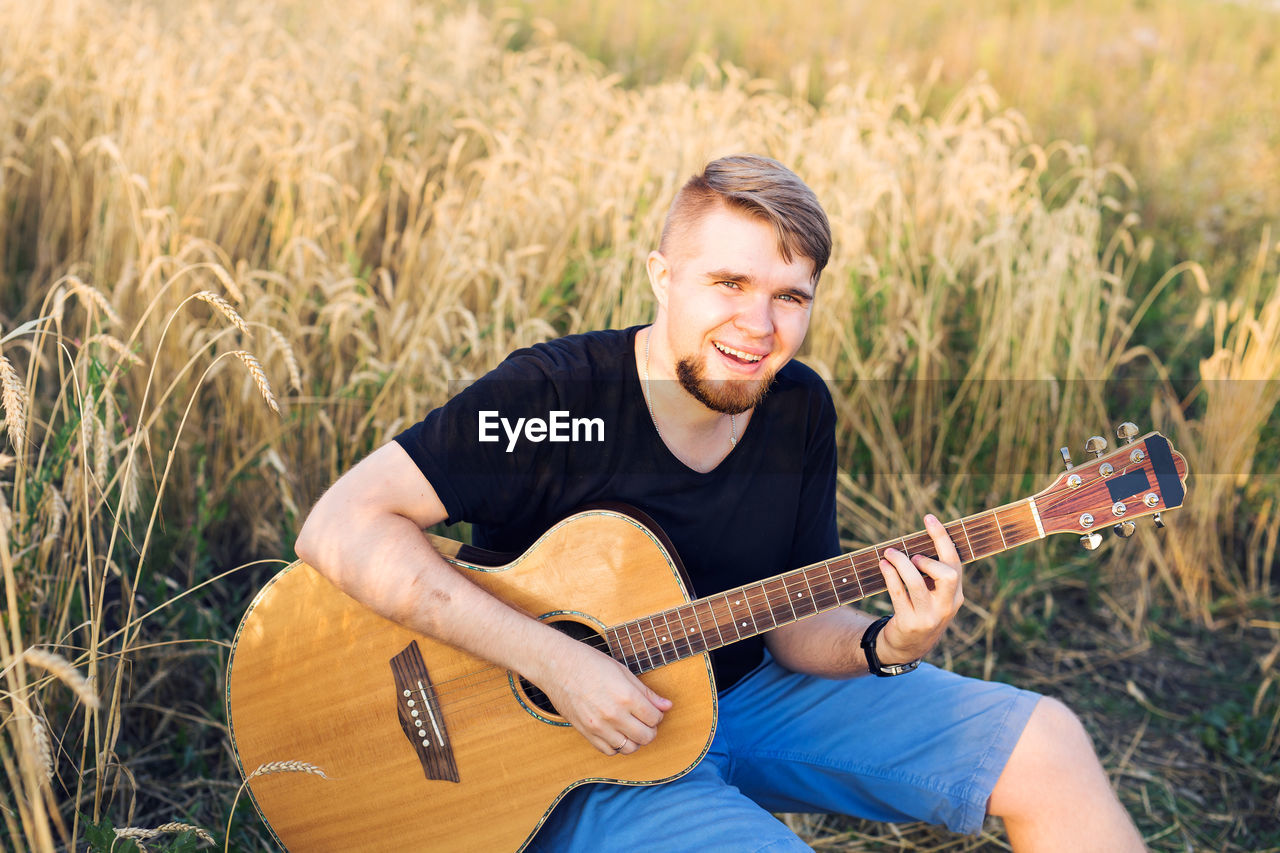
point(884, 670)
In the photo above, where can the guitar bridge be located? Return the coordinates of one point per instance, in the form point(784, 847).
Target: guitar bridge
point(420, 716)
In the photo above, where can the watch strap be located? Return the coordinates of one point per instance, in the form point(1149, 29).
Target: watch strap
point(884, 670)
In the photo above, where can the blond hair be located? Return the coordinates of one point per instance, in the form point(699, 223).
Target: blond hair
point(764, 189)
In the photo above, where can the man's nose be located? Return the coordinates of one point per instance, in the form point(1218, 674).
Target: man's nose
point(755, 317)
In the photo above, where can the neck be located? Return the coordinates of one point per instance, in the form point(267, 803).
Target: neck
point(718, 620)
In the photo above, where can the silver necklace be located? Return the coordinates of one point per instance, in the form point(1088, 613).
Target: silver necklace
point(648, 397)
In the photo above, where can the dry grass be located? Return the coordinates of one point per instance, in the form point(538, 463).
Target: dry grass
point(1180, 92)
point(363, 213)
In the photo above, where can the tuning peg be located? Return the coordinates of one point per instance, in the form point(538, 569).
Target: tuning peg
point(1126, 431)
point(1091, 541)
point(1158, 520)
point(1124, 529)
point(1097, 445)
point(1066, 457)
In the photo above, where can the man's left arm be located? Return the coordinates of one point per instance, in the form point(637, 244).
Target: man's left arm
point(926, 595)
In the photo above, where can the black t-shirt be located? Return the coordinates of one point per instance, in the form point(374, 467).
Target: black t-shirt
point(768, 507)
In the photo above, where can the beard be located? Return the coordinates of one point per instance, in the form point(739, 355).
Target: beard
point(728, 396)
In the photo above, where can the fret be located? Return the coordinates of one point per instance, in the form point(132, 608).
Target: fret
point(996, 515)
point(728, 623)
point(824, 596)
point(775, 605)
point(711, 617)
point(644, 648)
point(972, 554)
point(672, 639)
point(838, 588)
point(798, 596)
point(631, 642)
point(786, 594)
point(656, 647)
point(853, 567)
point(694, 636)
point(744, 627)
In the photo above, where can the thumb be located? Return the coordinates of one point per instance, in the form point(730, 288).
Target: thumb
point(659, 702)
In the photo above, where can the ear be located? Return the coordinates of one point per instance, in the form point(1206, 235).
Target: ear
point(659, 270)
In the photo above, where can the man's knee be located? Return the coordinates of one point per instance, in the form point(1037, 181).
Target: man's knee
point(1053, 752)
point(1058, 734)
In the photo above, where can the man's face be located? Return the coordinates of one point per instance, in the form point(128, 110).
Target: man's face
point(735, 311)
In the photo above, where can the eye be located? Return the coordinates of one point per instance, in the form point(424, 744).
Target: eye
point(733, 284)
point(794, 298)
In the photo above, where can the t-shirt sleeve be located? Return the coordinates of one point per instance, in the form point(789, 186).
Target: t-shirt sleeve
point(817, 537)
point(468, 449)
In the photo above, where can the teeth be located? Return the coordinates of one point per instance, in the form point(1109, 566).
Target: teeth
point(745, 356)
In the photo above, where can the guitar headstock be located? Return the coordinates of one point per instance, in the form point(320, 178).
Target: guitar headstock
point(1142, 477)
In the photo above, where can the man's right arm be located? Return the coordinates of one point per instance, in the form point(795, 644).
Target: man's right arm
point(365, 535)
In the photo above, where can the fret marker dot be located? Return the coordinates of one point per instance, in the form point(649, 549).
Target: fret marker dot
point(744, 624)
point(798, 595)
point(664, 639)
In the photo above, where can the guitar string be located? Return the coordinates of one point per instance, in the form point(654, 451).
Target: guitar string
point(982, 534)
point(474, 695)
point(866, 573)
point(456, 696)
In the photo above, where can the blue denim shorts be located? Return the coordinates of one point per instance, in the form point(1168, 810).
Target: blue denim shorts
point(924, 746)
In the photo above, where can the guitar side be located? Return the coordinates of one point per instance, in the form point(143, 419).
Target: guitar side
point(315, 677)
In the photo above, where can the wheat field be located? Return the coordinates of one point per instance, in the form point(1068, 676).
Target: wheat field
point(243, 245)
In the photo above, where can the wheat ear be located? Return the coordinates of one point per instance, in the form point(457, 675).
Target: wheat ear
point(225, 307)
point(135, 834)
point(259, 378)
point(59, 666)
point(14, 397)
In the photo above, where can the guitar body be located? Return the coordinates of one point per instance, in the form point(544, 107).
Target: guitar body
point(315, 677)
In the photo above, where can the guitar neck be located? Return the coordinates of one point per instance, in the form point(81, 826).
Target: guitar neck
point(736, 614)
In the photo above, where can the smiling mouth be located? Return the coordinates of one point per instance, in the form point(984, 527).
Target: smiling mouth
point(738, 355)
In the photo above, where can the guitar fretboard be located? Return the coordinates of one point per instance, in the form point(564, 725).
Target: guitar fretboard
point(727, 617)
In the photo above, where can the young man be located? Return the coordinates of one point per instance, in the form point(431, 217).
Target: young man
point(711, 429)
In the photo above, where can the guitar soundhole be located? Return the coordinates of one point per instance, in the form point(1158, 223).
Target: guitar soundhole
point(582, 633)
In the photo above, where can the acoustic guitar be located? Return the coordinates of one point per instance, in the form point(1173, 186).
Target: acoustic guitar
point(425, 747)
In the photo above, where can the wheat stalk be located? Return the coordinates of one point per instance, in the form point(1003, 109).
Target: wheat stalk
point(225, 307)
point(60, 667)
point(259, 377)
point(265, 770)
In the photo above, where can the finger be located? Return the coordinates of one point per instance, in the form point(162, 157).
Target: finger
point(911, 577)
point(898, 593)
point(946, 548)
point(943, 575)
point(650, 713)
point(640, 734)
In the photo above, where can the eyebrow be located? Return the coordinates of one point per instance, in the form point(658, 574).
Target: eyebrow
point(743, 278)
